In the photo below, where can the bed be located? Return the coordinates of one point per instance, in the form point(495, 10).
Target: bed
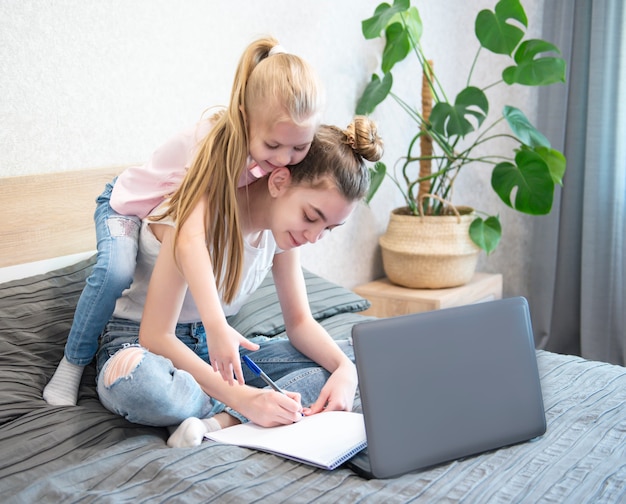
point(85, 454)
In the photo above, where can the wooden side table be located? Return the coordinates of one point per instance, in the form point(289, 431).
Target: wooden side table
point(389, 300)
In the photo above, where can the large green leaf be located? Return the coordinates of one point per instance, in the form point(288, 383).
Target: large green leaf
point(397, 46)
point(523, 129)
point(493, 30)
point(377, 175)
point(413, 23)
point(532, 70)
point(486, 233)
point(451, 120)
point(374, 26)
point(529, 178)
point(556, 163)
point(375, 92)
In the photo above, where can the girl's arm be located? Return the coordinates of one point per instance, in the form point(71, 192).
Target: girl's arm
point(139, 189)
point(164, 300)
point(310, 338)
point(195, 263)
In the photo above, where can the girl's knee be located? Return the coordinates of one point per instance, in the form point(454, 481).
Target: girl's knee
point(146, 388)
point(121, 275)
point(122, 364)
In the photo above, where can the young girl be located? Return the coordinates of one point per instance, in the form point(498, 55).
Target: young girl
point(152, 365)
point(273, 114)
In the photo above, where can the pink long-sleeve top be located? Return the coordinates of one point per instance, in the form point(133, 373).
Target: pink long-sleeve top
point(140, 189)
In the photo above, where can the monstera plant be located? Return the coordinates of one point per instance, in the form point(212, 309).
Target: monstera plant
point(451, 129)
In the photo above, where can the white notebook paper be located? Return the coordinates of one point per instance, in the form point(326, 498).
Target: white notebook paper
point(323, 440)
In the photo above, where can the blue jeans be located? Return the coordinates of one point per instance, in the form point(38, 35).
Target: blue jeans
point(117, 241)
point(157, 394)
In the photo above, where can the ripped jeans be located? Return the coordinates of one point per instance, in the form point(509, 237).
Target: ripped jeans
point(151, 391)
point(117, 241)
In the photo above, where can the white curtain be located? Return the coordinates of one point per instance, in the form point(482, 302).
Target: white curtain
point(578, 276)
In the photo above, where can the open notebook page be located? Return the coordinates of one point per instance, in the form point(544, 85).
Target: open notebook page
point(324, 440)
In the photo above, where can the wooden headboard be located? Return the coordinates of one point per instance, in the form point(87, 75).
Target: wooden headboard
point(51, 215)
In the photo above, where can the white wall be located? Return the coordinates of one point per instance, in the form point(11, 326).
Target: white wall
point(88, 83)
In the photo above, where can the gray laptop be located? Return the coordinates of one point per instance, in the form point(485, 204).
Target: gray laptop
point(446, 384)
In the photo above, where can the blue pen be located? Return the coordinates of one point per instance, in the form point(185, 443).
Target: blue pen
point(259, 372)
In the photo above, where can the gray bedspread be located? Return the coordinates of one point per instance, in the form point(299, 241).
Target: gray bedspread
point(86, 454)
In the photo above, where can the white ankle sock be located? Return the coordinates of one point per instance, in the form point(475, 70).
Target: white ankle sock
point(62, 389)
point(191, 432)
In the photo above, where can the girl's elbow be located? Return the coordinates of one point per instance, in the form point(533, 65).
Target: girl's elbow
point(145, 339)
point(189, 247)
point(303, 323)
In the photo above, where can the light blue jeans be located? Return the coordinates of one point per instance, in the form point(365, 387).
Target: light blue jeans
point(158, 394)
point(117, 241)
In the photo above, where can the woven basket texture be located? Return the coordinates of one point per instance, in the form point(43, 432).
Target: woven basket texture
point(429, 252)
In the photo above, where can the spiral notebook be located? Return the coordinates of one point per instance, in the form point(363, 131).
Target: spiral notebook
point(323, 440)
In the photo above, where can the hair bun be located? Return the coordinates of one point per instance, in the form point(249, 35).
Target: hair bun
point(363, 136)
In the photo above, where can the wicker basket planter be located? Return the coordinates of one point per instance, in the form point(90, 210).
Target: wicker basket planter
point(429, 252)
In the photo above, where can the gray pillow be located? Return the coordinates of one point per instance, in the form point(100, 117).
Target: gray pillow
point(261, 314)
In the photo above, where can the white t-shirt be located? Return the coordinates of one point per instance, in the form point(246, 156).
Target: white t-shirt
point(257, 263)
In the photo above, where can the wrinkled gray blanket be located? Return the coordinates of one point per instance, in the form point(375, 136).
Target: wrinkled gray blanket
point(86, 454)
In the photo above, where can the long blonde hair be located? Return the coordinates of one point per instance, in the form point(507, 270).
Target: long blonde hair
point(263, 76)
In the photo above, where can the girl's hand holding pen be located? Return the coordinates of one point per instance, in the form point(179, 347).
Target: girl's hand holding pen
point(291, 395)
point(269, 408)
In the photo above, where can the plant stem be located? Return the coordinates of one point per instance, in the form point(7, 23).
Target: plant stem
point(469, 76)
